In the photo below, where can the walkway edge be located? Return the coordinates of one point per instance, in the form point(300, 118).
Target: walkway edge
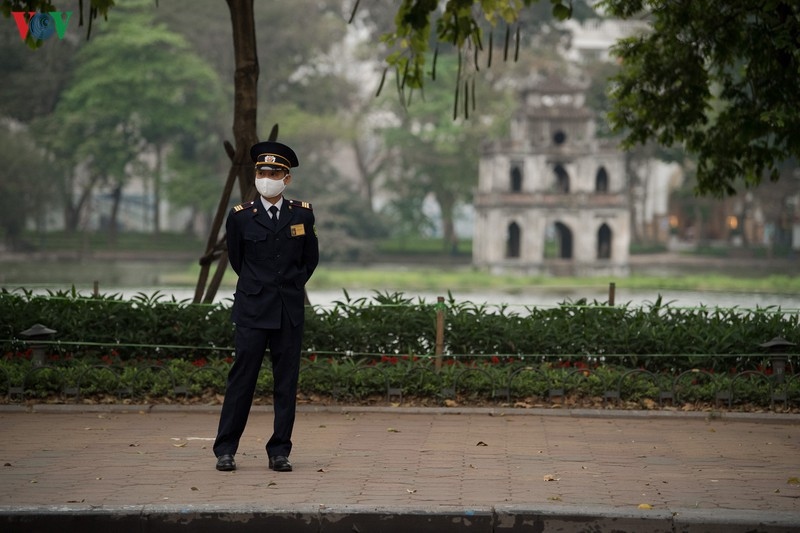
point(767, 417)
point(349, 518)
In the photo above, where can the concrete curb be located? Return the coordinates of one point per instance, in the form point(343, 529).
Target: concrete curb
point(363, 519)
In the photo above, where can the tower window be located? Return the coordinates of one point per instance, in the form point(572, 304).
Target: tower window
point(604, 242)
point(513, 242)
point(562, 179)
point(601, 180)
point(516, 179)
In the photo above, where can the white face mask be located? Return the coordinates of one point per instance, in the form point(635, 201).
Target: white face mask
point(270, 188)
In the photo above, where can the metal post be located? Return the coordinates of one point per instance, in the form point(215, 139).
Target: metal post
point(612, 287)
point(439, 332)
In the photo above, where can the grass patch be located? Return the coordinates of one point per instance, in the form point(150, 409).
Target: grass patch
point(466, 278)
point(125, 241)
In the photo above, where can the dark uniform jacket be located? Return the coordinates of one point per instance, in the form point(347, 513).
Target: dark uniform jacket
point(273, 264)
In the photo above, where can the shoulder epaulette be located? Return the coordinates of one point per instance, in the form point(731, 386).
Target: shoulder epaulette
point(245, 205)
point(298, 203)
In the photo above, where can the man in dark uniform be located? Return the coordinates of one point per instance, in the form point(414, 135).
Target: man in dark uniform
point(272, 246)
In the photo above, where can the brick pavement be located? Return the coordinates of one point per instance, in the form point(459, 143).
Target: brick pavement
point(489, 469)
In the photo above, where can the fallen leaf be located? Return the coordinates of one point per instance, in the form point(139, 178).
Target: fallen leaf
point(450, 403)
point(793, 481)
point(554, 498)
point(481, 443)
point(181, 445)
point(645, 506)
point(551, 477)
point(321, 470)
point(392, 430)
point(195, 488)
point(271, 484)
point(411, 491)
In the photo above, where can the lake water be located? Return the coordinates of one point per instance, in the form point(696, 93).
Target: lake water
point(518, 302)
point(128, 278)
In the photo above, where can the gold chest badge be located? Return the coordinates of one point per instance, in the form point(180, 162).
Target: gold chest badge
point(298, 230)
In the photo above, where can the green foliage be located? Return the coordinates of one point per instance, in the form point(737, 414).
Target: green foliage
point(145, 326)
point(129, 242)
point(22, 175)
point(391, 324)
point(134, 87)
point(458, 23)
point(705, 79)
point(437, 156)
point(402, 379)
point(653, 337)
point(708, 79)
point(150, 349)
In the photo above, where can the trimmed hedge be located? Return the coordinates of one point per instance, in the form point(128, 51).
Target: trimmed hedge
point(655, 337)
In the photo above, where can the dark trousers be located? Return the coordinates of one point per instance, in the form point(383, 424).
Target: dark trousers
point(251, 344)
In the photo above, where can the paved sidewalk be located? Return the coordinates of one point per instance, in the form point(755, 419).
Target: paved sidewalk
point(393, 469)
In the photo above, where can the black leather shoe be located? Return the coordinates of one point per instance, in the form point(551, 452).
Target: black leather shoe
point(225, 463)
point(280, 463)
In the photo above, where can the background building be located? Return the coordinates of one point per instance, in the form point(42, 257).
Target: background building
point(552, 198)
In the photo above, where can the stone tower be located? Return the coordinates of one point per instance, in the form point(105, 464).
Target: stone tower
point(552, 199)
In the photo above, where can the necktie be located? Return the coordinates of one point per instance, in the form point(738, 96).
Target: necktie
point(273, 212)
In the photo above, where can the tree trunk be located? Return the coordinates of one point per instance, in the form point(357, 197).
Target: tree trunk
point(157, 190)
point(116, 197)
point(245, 135)
point(73, 212)
point(364, 173)
point(245, 105)
point(447, 207)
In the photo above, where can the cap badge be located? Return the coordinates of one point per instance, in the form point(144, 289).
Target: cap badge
point(269, 159)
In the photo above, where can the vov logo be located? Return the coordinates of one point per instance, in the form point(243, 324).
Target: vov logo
point(41, 26)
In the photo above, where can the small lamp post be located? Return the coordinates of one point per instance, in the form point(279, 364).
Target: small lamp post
point(777, 348)
point(38, 332)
